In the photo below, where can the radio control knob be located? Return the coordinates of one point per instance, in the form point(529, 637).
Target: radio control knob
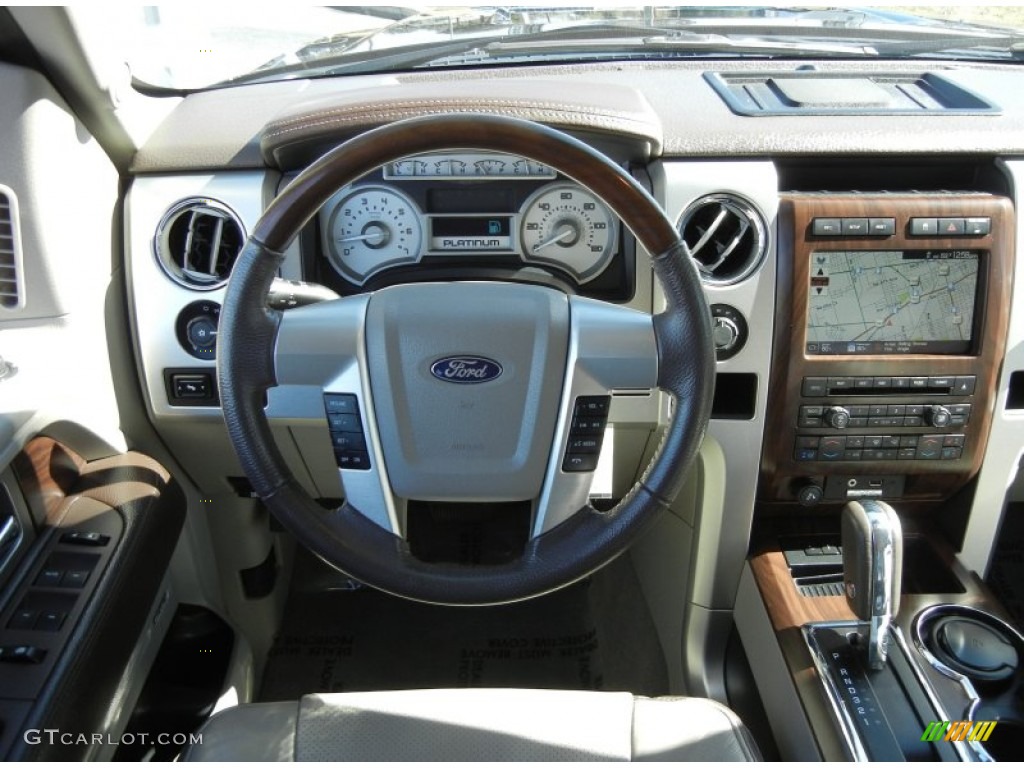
point(937, 416)
point(836, 417)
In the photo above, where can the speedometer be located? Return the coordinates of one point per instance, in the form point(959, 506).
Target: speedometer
point(371, 228)
point(567, 226)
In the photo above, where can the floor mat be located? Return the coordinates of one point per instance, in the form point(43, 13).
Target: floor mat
point(593, 635)
point(366, 640)
point(1006, 574)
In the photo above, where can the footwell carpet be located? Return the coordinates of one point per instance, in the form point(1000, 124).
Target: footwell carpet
point(355, 640)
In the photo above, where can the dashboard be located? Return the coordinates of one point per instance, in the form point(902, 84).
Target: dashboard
point(859, 281)
point(858, 264)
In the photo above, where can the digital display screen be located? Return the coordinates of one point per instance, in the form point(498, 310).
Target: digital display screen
point(892, 302)
point(471, 233)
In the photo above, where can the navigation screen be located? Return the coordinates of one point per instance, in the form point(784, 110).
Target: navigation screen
point(891, 302)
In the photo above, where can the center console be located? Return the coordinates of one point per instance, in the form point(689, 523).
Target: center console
point(954, 665)
point(891, 325)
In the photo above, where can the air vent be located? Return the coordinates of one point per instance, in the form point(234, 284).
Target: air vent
point(726, 236)
point(197, 243)
point(10, 251)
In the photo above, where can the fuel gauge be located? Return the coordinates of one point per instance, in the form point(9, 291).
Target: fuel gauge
point(490, 166)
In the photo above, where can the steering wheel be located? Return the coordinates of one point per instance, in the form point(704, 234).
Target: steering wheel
point(460, 392)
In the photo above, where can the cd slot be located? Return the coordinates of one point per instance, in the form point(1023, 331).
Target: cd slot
point(901, 391)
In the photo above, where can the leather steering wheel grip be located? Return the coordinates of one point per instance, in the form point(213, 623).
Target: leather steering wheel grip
point(347, 539)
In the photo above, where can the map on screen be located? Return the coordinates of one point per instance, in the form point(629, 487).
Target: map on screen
point(891, 302)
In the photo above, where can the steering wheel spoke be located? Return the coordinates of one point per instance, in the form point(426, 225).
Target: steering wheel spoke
point(323, 397)
point(611, 349)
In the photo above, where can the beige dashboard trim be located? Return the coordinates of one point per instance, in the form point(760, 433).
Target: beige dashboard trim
point(584, 106)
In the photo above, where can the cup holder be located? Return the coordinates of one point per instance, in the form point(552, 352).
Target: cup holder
point(986, 655)
point(973, 648)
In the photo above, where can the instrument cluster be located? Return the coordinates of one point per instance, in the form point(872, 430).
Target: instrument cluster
point(466, 211)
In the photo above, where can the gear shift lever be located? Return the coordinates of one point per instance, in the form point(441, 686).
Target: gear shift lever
point(872, 569)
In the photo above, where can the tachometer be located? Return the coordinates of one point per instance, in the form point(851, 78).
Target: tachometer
point(565, 225)
point(371, 228)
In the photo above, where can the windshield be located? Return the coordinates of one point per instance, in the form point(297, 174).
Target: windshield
point(175, 47)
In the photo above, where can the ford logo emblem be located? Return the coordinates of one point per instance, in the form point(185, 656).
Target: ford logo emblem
point(466, 370)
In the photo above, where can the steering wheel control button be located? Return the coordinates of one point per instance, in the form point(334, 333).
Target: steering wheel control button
point(341, 404)
point(588, 426)
point(352, 459)
point(592, 405)
point(585, 445)
point(344, 422)
point(348, 441)
point(346, 429)
point(580, 462)
point(586, 433)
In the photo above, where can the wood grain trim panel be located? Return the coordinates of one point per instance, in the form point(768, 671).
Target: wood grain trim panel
point(926, 480)
point(53, 477)
point(786, 607)
point(47, 472)
point(789, 610)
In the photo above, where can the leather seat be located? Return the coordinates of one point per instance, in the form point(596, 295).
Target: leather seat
point(476, 725)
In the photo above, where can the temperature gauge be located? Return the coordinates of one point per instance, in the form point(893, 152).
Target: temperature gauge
point(530, 169)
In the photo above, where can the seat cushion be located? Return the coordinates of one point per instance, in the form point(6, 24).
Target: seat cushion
point(476, 725)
